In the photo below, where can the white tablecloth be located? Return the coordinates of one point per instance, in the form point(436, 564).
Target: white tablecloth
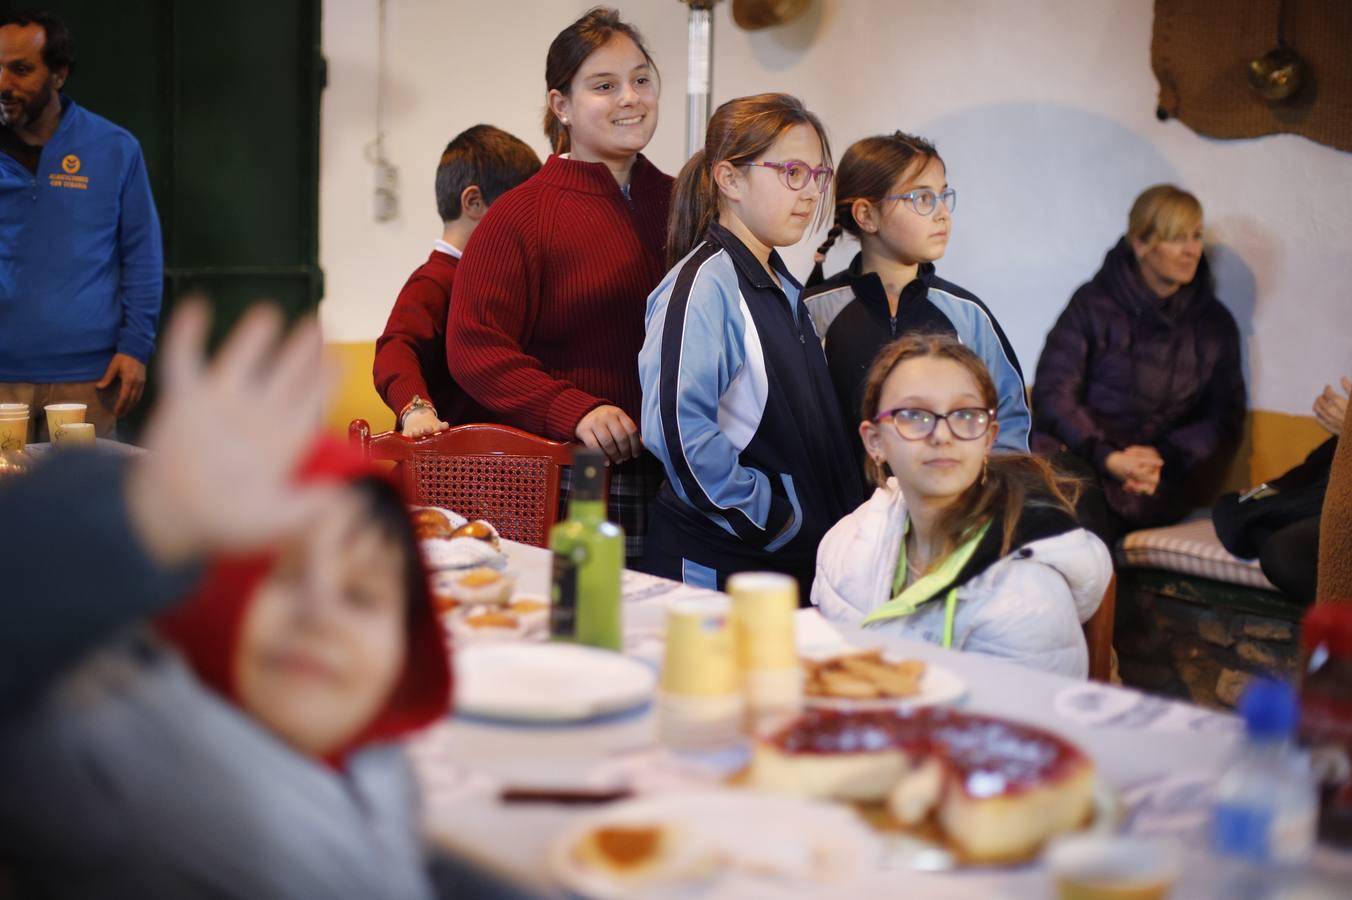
point(1160, 757)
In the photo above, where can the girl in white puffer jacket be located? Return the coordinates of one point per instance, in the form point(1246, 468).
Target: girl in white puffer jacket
point(959, 547)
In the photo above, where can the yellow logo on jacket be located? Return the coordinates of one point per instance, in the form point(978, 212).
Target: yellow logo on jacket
point(67, 177)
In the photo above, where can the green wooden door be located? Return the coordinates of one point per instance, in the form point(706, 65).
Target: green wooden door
point(224, 98)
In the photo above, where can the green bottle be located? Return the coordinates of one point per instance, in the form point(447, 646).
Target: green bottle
point(588, 560)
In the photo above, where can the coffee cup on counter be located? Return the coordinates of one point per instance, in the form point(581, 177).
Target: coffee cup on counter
point(59, 414)
point(14, 426)
point(72, 433)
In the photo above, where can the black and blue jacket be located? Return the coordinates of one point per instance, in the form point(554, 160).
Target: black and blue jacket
point(739, 407)
point(851, 313)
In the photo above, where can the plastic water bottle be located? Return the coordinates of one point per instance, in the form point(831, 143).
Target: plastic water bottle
point(1263, 825)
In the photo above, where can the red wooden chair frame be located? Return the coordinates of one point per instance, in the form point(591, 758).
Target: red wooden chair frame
point(492, 472)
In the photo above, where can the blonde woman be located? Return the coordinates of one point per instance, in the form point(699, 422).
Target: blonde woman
point(1140, 377)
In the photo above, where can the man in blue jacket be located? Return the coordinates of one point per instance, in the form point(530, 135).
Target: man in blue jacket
point(81, 263)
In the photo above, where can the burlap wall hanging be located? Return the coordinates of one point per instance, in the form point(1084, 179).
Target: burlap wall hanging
point(1213, 57)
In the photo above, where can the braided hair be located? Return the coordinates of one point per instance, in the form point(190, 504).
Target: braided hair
point(867, 171)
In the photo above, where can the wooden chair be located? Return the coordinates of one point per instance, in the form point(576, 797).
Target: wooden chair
point(1098, 634)
point(492, 472)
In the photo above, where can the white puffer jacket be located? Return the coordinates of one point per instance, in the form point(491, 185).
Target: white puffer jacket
point(1026, 607)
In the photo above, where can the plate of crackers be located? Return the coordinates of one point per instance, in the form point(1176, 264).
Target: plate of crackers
point(873, 679)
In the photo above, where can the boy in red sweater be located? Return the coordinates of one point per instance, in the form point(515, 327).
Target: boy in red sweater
point(476, 168)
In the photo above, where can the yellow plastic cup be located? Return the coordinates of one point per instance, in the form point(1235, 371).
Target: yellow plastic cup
point(700, 658)
point(763, 604)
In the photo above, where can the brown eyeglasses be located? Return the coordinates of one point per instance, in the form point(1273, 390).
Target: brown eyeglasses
point(915, 424)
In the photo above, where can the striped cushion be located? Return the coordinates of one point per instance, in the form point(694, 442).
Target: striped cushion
point(1193, 549)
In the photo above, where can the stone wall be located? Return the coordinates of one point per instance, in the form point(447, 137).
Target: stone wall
point(1201, 640)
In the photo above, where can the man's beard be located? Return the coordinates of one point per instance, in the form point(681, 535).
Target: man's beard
point(31, 111)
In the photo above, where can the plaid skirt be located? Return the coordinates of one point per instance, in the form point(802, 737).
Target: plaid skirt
point(633, 485)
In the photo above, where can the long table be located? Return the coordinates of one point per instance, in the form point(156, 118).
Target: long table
point(1158, 758)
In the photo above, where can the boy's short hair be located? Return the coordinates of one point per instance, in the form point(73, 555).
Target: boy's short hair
point(485, 156)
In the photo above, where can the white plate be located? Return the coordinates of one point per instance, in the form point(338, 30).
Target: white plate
point(460, 553)
point(744, 841)
point(525, 682)
point(937, 687)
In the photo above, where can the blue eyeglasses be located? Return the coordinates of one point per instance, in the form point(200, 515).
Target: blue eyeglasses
point(924, 201)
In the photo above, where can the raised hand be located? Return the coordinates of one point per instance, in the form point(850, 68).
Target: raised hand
point(1330, 407)
point(225, 438)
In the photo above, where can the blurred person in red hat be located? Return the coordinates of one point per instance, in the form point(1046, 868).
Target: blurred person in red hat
point(242, 746)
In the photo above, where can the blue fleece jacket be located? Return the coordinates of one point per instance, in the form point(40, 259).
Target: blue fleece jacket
point(81, 263)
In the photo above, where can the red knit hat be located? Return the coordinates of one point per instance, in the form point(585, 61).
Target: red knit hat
point(206, 627)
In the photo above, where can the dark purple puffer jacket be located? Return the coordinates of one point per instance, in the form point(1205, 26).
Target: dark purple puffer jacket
point(1123, 367)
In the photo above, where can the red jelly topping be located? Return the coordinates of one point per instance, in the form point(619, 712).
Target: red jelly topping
point(990, 756)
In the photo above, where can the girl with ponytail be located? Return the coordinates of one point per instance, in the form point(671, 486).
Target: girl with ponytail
point(737, 400)
point(892, 194)
point(960, 546)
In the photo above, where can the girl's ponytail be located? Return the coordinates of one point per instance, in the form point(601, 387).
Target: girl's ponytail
point(694, 203)
point(738, 132)
point(867, 172)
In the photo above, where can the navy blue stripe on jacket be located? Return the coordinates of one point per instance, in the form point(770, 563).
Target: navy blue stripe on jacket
point(738, 406)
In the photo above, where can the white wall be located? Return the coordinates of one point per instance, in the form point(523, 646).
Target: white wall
point(1043, 110)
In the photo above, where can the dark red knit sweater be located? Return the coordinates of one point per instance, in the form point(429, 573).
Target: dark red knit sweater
point(411, 353)
point(550, 296)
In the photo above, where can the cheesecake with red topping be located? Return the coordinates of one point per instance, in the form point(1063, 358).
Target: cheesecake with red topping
point(997, 789)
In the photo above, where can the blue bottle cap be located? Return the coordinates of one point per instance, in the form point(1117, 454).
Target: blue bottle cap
point(1270, 708)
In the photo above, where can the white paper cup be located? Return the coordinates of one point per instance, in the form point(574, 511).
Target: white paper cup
point(59, 414)
point(13, 432)
point(73, 433)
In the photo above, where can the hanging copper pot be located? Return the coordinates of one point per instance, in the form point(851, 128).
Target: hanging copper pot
point(1278, 74)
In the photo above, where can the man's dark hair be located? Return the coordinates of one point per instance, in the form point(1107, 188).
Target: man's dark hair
point(58, 50)
point(485, 156)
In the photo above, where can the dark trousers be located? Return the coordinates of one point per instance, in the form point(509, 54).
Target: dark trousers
point(683, 546)
point(1290, 559)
